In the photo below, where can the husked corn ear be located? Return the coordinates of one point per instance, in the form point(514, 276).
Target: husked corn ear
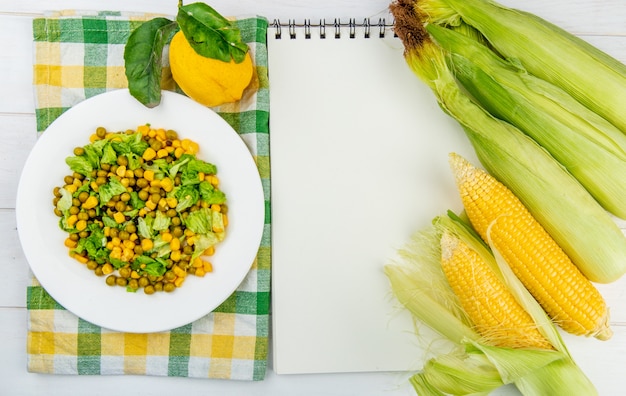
point(500, 218)
point(491, 307)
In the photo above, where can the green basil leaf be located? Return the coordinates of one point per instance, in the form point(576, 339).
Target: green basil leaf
point(210, 34)
point(143, 56)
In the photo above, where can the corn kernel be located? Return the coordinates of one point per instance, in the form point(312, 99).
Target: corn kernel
point(143, 129)
point(80, 258)
point(166, 236)
point(216, 207)
point(121, 171)
point(185, 143)
point(146, 244)
point(179, 272)
point(201, 176)
point(116, 253)
point(107, 268)
point(175, 244)
point(193, 148)
point(149, 154)
point(127, 254)
point(70, 243)
point(90, 202)
point(148, 175)
point(179, 282)
point(167, 184)
point(152, 133)
point(81, 225)
point(178, 152)
point(210, 251)
point(207, 266)
point(172, 202)
point(176, 255)
point(119, 217)
point(162, 153)
point(71, 220)
point(197, 262)
point(135, 275)
point(150, 205)
point(160, 134)
point(71, 188)
point(199, 272)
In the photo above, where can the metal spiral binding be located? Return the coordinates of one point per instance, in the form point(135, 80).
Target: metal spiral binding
point(336, 25)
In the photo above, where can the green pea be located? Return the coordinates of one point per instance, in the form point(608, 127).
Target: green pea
point(111, 280)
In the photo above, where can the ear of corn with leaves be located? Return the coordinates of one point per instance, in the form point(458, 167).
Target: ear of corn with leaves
point(550, 192)
point(591, 149)
point(485, 356)
point(593, 77)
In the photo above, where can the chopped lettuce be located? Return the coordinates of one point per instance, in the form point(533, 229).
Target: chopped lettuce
point(94, 244)
point(210, 194)
point(65, 202)
point(109, 156)
point(199, 221)
point(80, 164)
point(150, 266)
point(109, 222)
point(186, 196)
point(202, 243)
point(144, 227)
point(126, 144)
point(135, 201)
point(190, 173)
point(92, 155)
point(161, 221)
point(176, 165)
point(109, 190)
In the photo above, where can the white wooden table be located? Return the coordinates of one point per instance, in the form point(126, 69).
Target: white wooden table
point(601, 22)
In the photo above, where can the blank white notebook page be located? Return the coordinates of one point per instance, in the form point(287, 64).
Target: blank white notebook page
point(359, 151)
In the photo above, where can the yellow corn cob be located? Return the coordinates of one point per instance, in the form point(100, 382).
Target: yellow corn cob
point(500, 218)
point(491, 307)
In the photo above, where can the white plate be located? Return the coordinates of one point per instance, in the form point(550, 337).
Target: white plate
point(75, 287)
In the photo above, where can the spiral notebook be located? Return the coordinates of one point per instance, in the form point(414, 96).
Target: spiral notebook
point(359, 153)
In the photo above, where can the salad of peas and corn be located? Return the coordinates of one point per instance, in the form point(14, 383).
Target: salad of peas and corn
point(141, 209)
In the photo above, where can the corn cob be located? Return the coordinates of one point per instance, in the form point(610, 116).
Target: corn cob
point(493, 310)
point(545, 270)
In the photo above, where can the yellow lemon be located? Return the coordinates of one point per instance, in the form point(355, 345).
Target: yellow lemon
point(208, 81)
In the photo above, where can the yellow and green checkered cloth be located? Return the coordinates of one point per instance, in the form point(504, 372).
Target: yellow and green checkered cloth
point(79, 55)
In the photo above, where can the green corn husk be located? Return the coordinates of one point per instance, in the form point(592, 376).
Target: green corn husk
point(474, 367)
point(591, 76)
point(591, 149)
point(573, 218)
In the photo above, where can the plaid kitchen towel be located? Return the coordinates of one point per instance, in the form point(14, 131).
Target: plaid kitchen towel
point(78, 55)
